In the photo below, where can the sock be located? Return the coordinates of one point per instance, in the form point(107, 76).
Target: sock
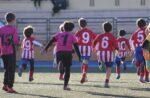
point(84, 68)
point(141, 75)
point(107, 81)
point(31, 74)
point(118, 70)
point(146, 73)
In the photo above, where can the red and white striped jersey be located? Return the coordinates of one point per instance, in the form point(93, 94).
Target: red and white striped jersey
point(107, 44)
point(85, 50)
point(138, 37)
point(105, 56)
point(85, 38)
point(27, 48)
point(123, 47)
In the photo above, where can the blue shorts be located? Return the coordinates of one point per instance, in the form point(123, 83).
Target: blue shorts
point(138, 55)
point(118, 60)
point(26, 61)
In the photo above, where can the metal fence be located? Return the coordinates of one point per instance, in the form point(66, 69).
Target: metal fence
point(46, 27)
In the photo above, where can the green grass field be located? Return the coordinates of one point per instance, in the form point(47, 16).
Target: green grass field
point(47, 85)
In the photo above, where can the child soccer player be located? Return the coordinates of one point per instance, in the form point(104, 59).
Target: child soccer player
point(60, 68)
point(107, 46)
point(28, 51)
point(84, 38)
point(9, 38)
point(64, 42)
point(136, 41)
point(146, 51)
point(123, 47)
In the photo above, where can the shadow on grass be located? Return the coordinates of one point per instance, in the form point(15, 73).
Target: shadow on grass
point(114, 95)
point(59, 84)
point(34, 95)
point(110, 95)
point(141, 89)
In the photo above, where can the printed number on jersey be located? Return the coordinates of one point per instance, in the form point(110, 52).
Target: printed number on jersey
point(86, 37)
point(27, 45)
point(105, 43)
point(140, 36)
point(122, 45)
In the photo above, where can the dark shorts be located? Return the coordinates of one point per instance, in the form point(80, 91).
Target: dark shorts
point(64, 57)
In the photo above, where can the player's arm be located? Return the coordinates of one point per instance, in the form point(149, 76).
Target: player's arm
point(95, 41)
point(51, 41)
point(37, 43)
point(76, 48)
point(131, 42)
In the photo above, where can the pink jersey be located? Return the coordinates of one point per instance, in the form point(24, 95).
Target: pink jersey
point(107, 44)
point(7, 33)
point(65, 41)
point(123, 46)
point(27, 48)
point(138, 37)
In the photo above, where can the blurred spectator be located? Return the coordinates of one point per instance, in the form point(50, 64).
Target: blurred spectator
point(58, 5)
point(37, 3)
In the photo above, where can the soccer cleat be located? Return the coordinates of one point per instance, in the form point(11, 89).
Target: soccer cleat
point(106, 85)
point(82, 80)
point(118, 77)
point(147, 80)
point(31, 79)
point(4, 88)
point(10, 90)
point(61, 77)
point(67, 88)
point(142, 80)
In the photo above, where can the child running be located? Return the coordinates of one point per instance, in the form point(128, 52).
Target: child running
point(123, 47)
point(64, 46)
point(84, 36)
point(28, 52)
point(136, 41)
point(9, 38)
point(107, 46)
point(146, 50)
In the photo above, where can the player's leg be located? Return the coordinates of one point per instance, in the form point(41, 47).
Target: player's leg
point(124, 63)
point(146, 74)
point(31, 73)
point(59, 57)
point(9, 73)
point(108, 73)
point(22, 67)
point(61, 70)
point(67, 62)
point(5, 82)
point(118, 68)
point(84, 69)
point(12, 67)
point(142, 73)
